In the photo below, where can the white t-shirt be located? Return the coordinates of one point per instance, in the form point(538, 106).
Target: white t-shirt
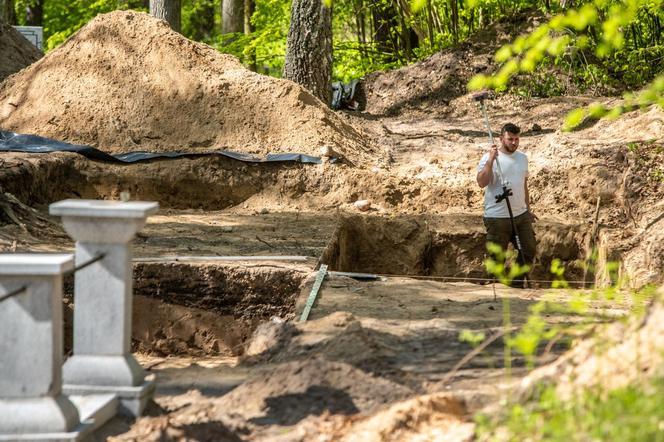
point(515, 170)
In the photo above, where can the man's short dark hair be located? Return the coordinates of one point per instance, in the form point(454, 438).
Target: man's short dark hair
point(511, 128)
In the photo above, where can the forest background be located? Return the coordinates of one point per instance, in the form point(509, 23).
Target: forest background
point(603, 46)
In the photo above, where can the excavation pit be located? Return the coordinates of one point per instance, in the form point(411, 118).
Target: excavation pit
point(204, 308)
point(450, 246)
point(214, 207)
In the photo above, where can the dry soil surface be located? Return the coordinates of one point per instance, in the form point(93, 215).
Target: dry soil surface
point(378, 358)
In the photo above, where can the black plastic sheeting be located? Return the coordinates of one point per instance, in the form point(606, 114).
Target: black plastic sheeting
point(13, 142)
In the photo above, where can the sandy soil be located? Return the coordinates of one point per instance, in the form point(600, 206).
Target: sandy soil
point(344, 372)
point(377, 358)
point(112, 87)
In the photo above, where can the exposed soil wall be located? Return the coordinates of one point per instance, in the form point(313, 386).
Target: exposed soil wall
point(241, 291)
point(446, 245)
point(201, 309)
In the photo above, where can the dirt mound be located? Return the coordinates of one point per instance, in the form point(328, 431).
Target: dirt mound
point(127, 82)
point(337, 337)
point(427, 418)
point(292, 391)
point(292, 394)
point(434, 82)
point(15, 51)
point(614, 169)
point(433, 417)
point(186, 417)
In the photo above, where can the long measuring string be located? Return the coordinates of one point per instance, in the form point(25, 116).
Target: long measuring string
point(464, 278)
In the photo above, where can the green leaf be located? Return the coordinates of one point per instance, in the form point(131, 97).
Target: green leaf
point(471, 337)
point(597, 110)
point(478, 82)
point(417, 5)
point(613, 114)
point(503, 54)
point(527, 65)
point(573, 119)
point(557, 46)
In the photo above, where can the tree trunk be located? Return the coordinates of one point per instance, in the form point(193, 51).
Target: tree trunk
point(201, 20)
point(232, 16)
point(34, 13)
point(384, 20)
point(7, 14)
point(454, 9)
point(309, 47)
point(249, 6)
point(168, 10)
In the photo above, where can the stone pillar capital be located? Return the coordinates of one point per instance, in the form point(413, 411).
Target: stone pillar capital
point(103, 222)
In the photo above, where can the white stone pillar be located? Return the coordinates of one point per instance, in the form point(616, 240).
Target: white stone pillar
point(102, 361)
point(32, 406)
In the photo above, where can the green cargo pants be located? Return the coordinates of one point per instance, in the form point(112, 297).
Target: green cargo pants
point(499, 231)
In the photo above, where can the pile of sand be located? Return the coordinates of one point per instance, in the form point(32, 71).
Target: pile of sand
point(292, 395)
point(127, 82)
point(291, 391)
point(433, 83)
point(15, 51)
point(425, 85)
point(338, 337)
point(434, 417)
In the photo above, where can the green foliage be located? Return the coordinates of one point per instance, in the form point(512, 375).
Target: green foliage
point(200, 19)
point(502, 264)
point(63, 18)
point(634, 413)
point(604, 45)
point(628, 414)
point(625, 37)
point(471, 337)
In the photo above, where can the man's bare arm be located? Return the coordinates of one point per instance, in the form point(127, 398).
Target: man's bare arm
point(485, 175)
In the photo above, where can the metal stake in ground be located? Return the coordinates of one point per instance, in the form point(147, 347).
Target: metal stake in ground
point(314, 292)
point(507, 192)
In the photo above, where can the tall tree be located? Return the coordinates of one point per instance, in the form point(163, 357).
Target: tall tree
point(249, 7)
point(384, 17)
point(7, 14)
point(168, 10)
point(34, 13)
point(232, 16)
point(309, 47)
point(198, 21)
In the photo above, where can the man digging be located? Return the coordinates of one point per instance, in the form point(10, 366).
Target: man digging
point(514, 169)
